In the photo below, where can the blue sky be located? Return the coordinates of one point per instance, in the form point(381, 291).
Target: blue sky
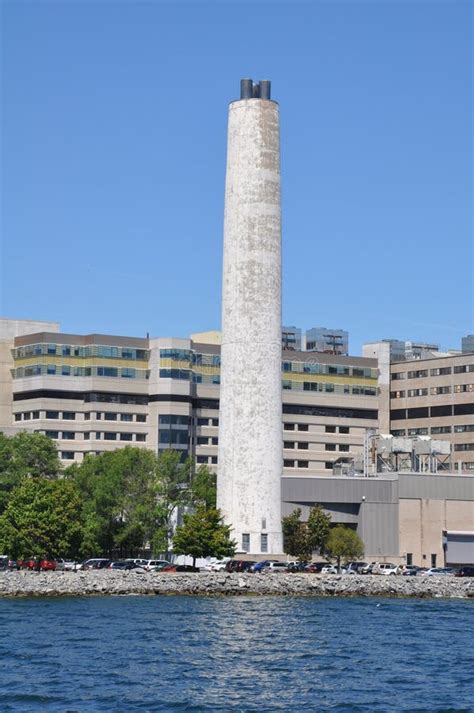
point(114, 139)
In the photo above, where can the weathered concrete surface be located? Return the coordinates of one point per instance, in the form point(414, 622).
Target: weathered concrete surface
point(28, 584)
point(250, 426)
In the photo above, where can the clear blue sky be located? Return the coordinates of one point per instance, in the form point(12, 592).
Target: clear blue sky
point(114, 140)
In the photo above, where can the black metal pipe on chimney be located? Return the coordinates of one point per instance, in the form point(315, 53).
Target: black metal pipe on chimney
point(246, 89)
point(265, 88)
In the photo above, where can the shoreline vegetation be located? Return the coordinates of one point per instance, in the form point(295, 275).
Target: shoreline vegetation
point(106, 583)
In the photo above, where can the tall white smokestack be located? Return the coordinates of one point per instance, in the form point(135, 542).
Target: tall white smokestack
point(250, 427)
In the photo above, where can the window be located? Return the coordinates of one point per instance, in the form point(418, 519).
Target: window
point(303, 427)
point(140, 417)
point(264, 542)
point(214, 460)
point(417, 392)
point(35, 414)
point(288, 444)
point(409, 558)
point(468, 428)
point(108, 436)
point(69, 415)
point(436, 390)
point(202, 440)
point(214, 441)
point(289, 426)
point(128, 373)
point(98, 416)
point(214, 421)
point(328, 465)
point(51, 349)
point(463, 369)
point(344, 447)
point(398, 413)
point(107, 371)
point(246, 542)
point(110, 416)
point(18, 417)
point(126, 436)
point(66, 350)
point(433, 560)
point(67, 455)
point(174, 420)
point(52, 434)
point(65, 370)
point(126, 417)
point(440, 429)
point(302, 464)
point(303, 446)
point(289, 463)
point(397, 394)
point(344, 429)
point(141, 437)
point(437, 411)
point(86, 435)
point(69, 435)
point(417, 431)
point(201, 459)
point(200, 421)
point(52, 414)
point(463, 388)
point(464, 447)
point(330, 446)
point(50, 369)
point(463, 409)
point(417, 413)
point(399, 432)
point(330, 429)
point(443, 371)
point(398, 376)
point(421, 373)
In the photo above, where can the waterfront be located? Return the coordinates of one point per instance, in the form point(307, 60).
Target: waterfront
point(240, 653)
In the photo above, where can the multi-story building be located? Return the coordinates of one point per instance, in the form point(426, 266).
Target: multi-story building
point(330, 341)
point(291, 338)
point(401, 350)
point(467, 344)
point(97, 392)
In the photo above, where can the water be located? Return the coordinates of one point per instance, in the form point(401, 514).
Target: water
point(237, 654)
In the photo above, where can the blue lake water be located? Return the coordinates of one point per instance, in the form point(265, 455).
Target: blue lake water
point(239, 654)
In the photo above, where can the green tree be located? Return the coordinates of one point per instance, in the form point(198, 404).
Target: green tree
point(172, 491)
point(43, 517)
point(25, 454)
point(301, 539)
point(203, 534)
point(295, 540)
point(344, 544)
point(120, 505)
point(202, 491)
point(318, 528)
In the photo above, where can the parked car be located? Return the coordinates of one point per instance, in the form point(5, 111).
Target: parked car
point(152, 564)
point(465, 572)
point(298, 567)
point(258, 566)
point(368, 569)
point(329, 569)
point(95, 563)
point(124, 565)
point(355, 567)
point(138, 560)
point(4, 562)
point(216, 565)
point(410, 570)
point(60, 564)
point(439, 572)
point(275, 568)
point(385, 568)
point(180, 568)
point(47, 565)
point(316, 567)
point(162, 566)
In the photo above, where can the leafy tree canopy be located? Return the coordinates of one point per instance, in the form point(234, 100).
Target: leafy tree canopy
point(203, 534)
point(25, 454)
point(202, 491)
point(344, 544)
point(43, 518)
point(302, 539)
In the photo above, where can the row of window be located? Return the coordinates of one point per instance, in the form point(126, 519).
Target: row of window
point(99, 435)
point(188, 375)
point(211, 460)
point(298, 367)
point(71, 416)
point(356, 390)
point(439, 371)
point(295, 463)
point(434, 391)
point(207, 441)
point(305, 427)
point(185, 355)
point(246, 542)
point(464, 446)
point(435, 430)
point(432, 411)
point(68, 350)
point(66, 370)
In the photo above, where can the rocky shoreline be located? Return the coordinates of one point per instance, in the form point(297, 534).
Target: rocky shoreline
point(57, 584)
